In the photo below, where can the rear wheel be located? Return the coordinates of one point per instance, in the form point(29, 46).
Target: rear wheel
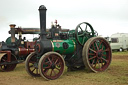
point(97, 54)
point(8, 67)
point(51, 65)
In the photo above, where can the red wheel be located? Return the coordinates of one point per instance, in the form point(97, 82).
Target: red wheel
point(31, 65)
point(51, 65)
point(97, 54)
point(7, 67)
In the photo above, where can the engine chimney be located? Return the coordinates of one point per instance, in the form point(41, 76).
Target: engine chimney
point(12, 26)
point(42, 11)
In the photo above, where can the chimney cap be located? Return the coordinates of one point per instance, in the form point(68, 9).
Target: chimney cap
point(12, 25)
point(42, 7)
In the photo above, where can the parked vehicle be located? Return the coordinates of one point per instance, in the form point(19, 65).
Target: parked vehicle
point(15, 49)
point(119, 41)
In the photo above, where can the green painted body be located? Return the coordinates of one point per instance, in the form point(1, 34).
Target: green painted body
point(58, 46)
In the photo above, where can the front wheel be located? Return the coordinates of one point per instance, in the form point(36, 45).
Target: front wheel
point(51, 65)
point(31, 65)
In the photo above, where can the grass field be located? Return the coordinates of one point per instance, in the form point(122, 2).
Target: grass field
point(116, 74)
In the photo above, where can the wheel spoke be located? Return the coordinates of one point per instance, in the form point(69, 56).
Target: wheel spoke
point(33, 69)
point(104, 55)
point(81, 35)
point(96, 61)
point(49, 66)
point(92, 50)
point(83, 40)
point(58, 64)
point(91, 54)
point(51, 72)
point(99, 64)
point(100, 43)
point(56, 61)
point(47, 63)
point(88, 33)
point(58, 69)
point(54, 72)
point(93, 62)
point(107, 49)
point(37, 71)
point(92, 58)
point(104, 60)
point(96, 46)
point(102, 48)
point(81, 28)
point(49, 60)
point(93, 46)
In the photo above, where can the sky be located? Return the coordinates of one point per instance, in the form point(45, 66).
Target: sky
point(106, 16)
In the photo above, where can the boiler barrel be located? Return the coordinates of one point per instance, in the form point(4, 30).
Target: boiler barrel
point(63, 46)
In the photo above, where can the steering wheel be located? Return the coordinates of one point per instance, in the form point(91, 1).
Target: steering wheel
point(83, 32)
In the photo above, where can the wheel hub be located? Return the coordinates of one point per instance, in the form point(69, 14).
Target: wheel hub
point(36, 65)
point(53, 66)
point(99, 54)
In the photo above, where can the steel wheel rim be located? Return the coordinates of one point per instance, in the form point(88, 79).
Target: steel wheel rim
point(31, 65)
point(98, 54)
point(52, 66)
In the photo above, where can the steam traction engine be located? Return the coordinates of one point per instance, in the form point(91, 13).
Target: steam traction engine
point(14, 50)
point(79, 48)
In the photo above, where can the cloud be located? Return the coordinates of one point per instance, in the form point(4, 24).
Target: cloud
point(110, 15)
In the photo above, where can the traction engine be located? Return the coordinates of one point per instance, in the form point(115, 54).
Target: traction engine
point(79, 48)
point(13, 50)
